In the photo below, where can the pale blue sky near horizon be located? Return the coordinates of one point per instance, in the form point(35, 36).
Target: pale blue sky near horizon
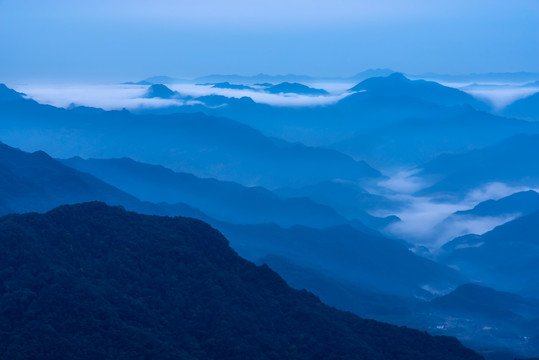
point(131, 40)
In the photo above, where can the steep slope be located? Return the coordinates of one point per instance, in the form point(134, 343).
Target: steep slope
point(160, 91)
point(512, 161)
point(342, 295)
point(90, 281)
point(203, 145)
point(225, 201)
point(506, 258)
point(347, 255)
point(36, 182)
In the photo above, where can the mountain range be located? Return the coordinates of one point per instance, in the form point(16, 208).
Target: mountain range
point(204, 145)
point(512, 161)
point(221, 200)
point(391, 121)
point(505, 258)
point(90, 281)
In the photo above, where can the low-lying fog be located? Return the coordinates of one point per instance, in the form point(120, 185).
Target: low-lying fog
point(119, 96)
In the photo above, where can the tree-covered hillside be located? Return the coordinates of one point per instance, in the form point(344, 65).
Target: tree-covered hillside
point(96, 282)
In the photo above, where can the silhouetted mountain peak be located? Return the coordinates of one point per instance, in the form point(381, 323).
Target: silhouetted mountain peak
point(295, 88)
point(397, 76)
point(7, 94)
point(397, 84)
point(160, 91)
point(227, 85)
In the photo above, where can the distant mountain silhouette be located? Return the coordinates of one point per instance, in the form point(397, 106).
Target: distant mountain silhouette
point(475, 299)
point(493, 321)
point(142, 82)
point(346, 255)
point(342, 295)
point(227, 85)
point(90, 281)
point(486, 215)
point(295, 88)
point(160, 91)
point(532, 84)
point(522, 203)
point(527, 108)
point(506, 258)
point(371, 73)
point(196, 143)
point(511, 161)
point(348, 199)
point(374, 126)
point(225, 201)
point(36, 182)
point(397, 84)
point(7, 94)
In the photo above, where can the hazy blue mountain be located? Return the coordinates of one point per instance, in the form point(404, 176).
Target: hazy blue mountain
point(489, 303)
point(527, 108)
point(36, 182)
point(505, 258)
point(371, 73)
point(512, 161)
point(360, 257)
point(90, 281)
point(347, 198)
point(160, 91)
point(227, 85)
point(196, 143)
point(488, 214)
point(414, 141)
point(397, 84)
point(295, 88)
point(142, 82)
point(500, 325)
point(522, 203)
point(347, 255)
point(7, 94)
point(490, 321)
point(381, 129)
point(225, 201)
point(342, 295)
point(532, 84)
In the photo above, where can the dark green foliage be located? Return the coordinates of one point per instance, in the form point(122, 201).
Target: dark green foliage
point(94, 282)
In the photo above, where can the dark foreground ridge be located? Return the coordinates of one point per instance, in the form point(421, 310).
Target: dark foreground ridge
point(90, 281)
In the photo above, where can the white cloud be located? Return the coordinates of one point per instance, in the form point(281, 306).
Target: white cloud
point(428, 222)
point(502, 96)
point(111, 97)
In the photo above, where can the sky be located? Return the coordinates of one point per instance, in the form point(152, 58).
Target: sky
point(120, 40)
